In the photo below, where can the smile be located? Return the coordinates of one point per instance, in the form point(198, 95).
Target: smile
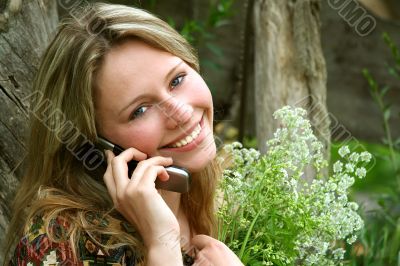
point(188, 139)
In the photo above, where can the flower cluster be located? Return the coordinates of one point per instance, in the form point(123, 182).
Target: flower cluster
point(272, 213)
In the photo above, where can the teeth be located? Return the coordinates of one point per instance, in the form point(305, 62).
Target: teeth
point(188, 139)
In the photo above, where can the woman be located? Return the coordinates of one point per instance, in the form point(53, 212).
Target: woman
point(125, 75)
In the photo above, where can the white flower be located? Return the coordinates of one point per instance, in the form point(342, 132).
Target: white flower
point(337, 167)
point(361, 172)
point(331, 186)
point(338, 253)
point(352, 239)
point(365, 156)
point(353, 206)
point(343, 151)
point(274, 183)
point(237, 145)
point(349, 167)
point(285, 174)
point(345, 182)
point(316, 145)
point(354, 157)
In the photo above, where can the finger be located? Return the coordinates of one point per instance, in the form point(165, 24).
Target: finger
point(120, 167)
point(138, 173)
point(152, 173)
point(133, 154)
point(201, 241)
point(201, 260)
point(109, 155)
point(107, 177)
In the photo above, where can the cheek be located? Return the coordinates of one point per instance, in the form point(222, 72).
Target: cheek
point(144, 137)
point(200, 94)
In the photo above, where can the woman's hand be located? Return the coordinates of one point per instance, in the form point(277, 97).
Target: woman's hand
point(213, 252)
point(137, 199)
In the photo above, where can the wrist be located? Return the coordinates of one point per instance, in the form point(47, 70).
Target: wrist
point(169, 239)
point(162, 254)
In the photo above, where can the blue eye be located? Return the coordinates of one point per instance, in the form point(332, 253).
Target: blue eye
point(177, 81)
point(139, 112)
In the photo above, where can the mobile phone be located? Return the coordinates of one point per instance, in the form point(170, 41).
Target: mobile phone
point(179, 178)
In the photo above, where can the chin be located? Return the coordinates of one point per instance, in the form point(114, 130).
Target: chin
point(201, 160)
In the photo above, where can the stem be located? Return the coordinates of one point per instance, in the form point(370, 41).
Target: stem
point(386, 128)
point(248, 235)
point(378, 97)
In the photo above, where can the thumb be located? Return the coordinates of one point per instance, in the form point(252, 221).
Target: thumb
point(201, 241)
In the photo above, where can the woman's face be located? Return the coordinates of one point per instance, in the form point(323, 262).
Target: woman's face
point(153, 101)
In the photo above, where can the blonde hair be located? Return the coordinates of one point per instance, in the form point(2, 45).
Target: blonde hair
point(55, 184)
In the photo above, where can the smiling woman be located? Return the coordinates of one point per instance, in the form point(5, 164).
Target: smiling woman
point(125, 75)
point(153, 101)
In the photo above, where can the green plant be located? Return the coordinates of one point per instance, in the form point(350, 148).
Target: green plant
point(380, 239)
point(201, 33)
point(378, 94)
point(271, 215)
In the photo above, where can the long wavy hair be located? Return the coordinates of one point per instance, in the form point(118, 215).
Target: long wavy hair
point(62, 113)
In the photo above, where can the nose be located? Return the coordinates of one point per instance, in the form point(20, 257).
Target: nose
point(176, 112)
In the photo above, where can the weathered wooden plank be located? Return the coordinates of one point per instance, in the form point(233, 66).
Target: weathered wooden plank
point(25, 31)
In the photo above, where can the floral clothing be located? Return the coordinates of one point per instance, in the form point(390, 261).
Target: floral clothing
point(36, 249)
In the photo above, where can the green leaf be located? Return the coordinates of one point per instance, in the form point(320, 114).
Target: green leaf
point(210, 64)
point(384, 91)
point(372, 83)
point(396, 144)
point(395, 51)
point(242, 250)
point(221, 8)
point(222, 22)
point(394, 72)
point(384, 141)
point(215, 49)
point(386, 114)
point(171, 22)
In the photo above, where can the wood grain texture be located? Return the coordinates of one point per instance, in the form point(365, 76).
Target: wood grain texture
point(289, 65)
point(22, 42)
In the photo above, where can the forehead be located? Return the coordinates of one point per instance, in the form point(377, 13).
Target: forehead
point(134, 57)
point(133, 63)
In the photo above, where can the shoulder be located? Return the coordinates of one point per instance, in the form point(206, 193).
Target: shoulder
point(36, 247)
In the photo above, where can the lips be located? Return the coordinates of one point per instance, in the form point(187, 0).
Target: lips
point(195, 133)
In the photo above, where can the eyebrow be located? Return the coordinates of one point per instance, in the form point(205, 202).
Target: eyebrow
point(167, 77)
point(172, 70)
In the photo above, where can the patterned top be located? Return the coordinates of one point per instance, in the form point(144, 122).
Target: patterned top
point(36, 249)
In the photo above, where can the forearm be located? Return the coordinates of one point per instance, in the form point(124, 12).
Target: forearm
point(164, 255)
